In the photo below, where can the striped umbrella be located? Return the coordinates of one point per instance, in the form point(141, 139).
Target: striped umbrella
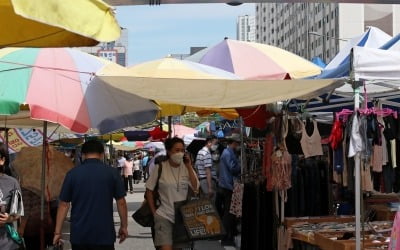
point(60, 86)
point(255, 61)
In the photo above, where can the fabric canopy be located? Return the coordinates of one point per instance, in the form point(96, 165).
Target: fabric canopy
point(217, 93)
point(54, 23)
point(376, 64)
point(340, 64)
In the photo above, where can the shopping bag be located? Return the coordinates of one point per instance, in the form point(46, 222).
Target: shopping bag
point(179, 233)
point(202, 220)
point(16, 206)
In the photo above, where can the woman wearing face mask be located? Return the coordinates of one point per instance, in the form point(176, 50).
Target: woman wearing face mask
point(7, 185)
point(176, 177)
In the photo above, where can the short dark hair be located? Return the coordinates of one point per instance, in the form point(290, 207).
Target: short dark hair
point(4, 154)
point(170, 142)
point(92, 146)
point(230, 141)
point(3, 150)
point(210, 138)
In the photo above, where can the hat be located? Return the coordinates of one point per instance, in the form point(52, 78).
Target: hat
point(234, 137)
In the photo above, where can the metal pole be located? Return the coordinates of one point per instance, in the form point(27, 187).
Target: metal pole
point(357, 159)
point(241, 144)
point(43, 185)
point(111, 151)
point(169, 126)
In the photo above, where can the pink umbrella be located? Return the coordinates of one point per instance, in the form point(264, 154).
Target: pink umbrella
point(255, 61)
point(181, 131)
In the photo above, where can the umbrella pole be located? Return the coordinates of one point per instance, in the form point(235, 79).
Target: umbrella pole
point(169, 126)
point(42, 185)
point(6, 134)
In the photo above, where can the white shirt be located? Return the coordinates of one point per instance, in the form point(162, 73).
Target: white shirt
point(136, 165)
point(121, 162)
point(169, 188)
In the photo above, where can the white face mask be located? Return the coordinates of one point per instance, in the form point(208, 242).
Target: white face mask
point(177, 158)
point(214, 147)
point(215, 157)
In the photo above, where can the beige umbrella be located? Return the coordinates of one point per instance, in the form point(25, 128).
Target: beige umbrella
point(28, 166)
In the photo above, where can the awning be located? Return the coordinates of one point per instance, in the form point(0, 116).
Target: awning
point(217, 93)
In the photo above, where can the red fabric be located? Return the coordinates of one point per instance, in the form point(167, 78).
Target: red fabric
point(255, 117)
point(336, 136)
point(158, 134)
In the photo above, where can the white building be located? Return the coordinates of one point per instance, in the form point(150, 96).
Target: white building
point(116, 51)
point(320, 29)
point(246, 28)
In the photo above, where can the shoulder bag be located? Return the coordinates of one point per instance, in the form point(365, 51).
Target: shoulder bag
point(143, 216)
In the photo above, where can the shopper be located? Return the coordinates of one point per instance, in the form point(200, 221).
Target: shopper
point(206, 171)
point(177, 176)
point(90, 189)
point(229, 168)
point(128, 174)
point(7, 185)
point(137, 173)
point(121, 163)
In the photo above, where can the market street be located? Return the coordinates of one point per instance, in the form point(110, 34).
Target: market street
point(139, 237)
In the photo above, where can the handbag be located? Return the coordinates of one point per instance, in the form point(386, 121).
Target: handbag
point(143, 216)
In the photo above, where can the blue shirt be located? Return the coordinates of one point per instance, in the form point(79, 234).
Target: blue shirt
point(229, 167)
point(90, 188)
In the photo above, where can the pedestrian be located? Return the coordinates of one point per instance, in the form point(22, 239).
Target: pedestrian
point(128, 174)
point(137, 173)
point(121, 162)
point(145, 164)
point(90, 189)
point(177, 175)
point(7, 185)
point(206, 171)
point(229, 168)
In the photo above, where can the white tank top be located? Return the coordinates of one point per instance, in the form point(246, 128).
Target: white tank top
point(311, 145)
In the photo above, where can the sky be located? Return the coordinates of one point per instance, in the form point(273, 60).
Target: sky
point(157, 31)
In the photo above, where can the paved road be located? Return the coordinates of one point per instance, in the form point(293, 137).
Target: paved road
point(140, 237)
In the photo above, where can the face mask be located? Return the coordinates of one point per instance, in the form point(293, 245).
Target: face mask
point(214, 147)
point(177, 158)
point(215, 157)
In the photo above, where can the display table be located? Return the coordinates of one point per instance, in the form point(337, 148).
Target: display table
point(337, 232)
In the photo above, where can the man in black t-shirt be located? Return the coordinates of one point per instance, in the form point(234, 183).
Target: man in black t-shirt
point(90, 189)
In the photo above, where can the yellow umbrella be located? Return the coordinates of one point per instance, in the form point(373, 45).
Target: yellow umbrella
point(174, 68)
point(54, 23)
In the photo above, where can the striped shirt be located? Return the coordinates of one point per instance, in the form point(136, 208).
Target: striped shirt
point(203, 161)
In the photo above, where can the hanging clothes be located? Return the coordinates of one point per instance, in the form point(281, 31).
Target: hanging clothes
point(293, 137)
point(267, 162)
point(356, 141)
point(281, 170)
point(311, 145)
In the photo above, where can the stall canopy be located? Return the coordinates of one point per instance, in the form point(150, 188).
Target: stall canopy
point(340, 64)
point(343, 96)
point(54, 23)
point(217, 93)
point(173, 68)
